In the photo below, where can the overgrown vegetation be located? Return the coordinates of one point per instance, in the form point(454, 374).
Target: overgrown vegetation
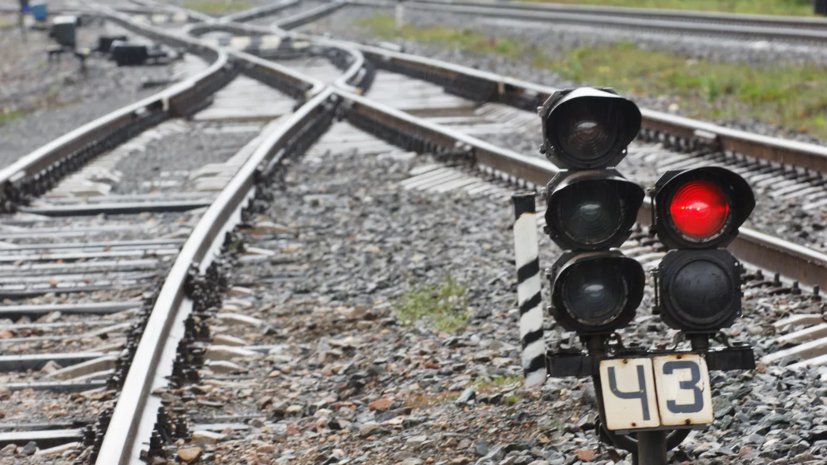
point(445, 305)
point(766, 7)
point(784, 95)
point(217, 7)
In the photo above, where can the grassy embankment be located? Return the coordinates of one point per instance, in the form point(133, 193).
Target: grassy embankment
point(217, 7)
point(790, 96)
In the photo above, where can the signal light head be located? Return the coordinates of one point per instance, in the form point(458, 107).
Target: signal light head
point(588, 128)
point(700, 290)
point(596, 293)
point(701, 208)
point(591, 210)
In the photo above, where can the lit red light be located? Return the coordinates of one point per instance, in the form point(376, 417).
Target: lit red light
point(699, 209)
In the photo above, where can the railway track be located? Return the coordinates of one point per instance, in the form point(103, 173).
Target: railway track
point(429, 120)
point(88, 248)
point(738, 26)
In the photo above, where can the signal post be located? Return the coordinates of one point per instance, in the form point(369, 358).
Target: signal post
point(648, 399)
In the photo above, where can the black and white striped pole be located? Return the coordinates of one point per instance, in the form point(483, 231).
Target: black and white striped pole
point(529, 299)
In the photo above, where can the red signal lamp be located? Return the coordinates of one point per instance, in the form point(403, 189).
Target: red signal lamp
point(701, 208)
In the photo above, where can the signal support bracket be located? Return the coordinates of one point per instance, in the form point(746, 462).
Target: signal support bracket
point(573, 362)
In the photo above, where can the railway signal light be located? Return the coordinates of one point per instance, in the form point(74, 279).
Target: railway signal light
point(696, 212)
point(597, 292)
point(595, 289)
point(700, 290)
point(591, 209)
point(588, 128)
point(701, 208)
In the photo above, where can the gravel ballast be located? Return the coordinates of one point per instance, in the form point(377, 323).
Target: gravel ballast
point(346, 380)
point(56, 98)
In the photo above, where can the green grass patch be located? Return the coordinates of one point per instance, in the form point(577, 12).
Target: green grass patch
point(384, 26)
point(8, 115)
point(444, 304)
point(512, 399)
point(786, 95)
point(217, 7)
point(765, 7)
point(791, 96)
point(497, 382)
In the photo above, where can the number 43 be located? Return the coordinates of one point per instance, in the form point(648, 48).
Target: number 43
point(670, 390)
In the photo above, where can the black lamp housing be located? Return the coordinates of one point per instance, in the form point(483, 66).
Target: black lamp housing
point(699, 290)
point(588, 128)
point(738, 194)
point(591, 210)
point(596, 292)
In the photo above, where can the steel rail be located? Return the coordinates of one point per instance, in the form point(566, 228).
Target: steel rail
point(350, 78)
point(708, 17)
point(497, 88)
point(491, 87)
point(806, 265)
point(192, 14)
point(307, 87)
point(728, 30)
point(258, 12)
point(40, 162)
point(305, 17)
point(121, 440)
point(792, 32)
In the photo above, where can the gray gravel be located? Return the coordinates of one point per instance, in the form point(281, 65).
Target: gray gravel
point(350, 381)
point(55, 97)
point(175, 157)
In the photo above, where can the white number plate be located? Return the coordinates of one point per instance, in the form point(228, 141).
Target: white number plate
point(669, 390)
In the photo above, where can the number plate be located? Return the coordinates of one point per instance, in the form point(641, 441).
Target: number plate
point(669, 390)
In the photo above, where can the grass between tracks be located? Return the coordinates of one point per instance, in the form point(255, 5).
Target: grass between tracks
point(444, 304)
point(786, 95)
point(217, 7)
point(8, 115)
point(764, 7)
